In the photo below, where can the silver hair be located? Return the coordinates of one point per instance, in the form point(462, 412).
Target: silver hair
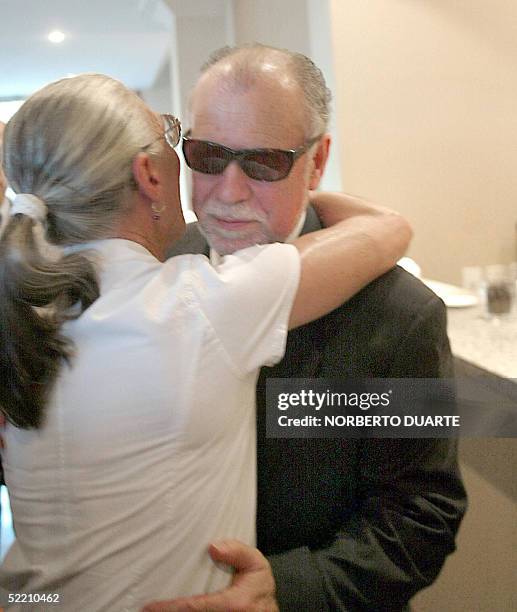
point(71, 144)
point(247, 59)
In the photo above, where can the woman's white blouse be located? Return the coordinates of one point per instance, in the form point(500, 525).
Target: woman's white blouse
point(147, 453)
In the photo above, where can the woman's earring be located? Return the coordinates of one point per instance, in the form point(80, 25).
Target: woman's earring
point(157, 211)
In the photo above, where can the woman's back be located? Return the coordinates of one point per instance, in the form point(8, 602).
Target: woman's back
point(139, 464)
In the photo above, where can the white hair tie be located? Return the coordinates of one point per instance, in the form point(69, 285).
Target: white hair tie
point(30, 205)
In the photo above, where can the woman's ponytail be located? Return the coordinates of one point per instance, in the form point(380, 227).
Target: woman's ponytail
point(37, 295)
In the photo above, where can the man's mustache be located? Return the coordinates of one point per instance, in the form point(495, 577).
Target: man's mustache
point(234, 212)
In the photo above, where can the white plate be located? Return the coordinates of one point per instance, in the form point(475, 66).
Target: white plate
point(460, 301)
point(453, 297)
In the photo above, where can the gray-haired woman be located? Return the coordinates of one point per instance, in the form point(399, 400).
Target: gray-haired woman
point(127, 380)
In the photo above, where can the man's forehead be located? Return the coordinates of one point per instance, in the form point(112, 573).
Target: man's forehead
point(267, 109)
point(267, 77)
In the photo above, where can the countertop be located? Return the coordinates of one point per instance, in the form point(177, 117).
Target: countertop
point(488, 344)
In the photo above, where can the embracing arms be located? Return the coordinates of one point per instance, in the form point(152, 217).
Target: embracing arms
point(360, 242)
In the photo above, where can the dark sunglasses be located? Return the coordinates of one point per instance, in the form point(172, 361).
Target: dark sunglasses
point(259, 164)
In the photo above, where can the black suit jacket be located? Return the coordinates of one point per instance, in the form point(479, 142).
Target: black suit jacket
point(358, 525)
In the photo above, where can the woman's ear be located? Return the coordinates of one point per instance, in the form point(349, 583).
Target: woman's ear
point(145, 175)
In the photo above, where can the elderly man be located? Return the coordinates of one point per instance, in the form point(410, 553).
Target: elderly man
point(345, 524)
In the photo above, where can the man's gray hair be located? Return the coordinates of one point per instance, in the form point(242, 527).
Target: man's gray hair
point(246, 60)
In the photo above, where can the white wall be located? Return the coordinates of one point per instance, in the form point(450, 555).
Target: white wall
point(427, 97)
point(159, 96)
point(322, 54)
point(281, 24)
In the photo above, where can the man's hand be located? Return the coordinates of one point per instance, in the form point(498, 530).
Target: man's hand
point(252, 588)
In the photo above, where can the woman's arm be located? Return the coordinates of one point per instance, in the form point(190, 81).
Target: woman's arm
point(359, 243)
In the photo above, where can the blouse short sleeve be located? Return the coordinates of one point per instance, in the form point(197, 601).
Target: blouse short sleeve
point(247, 299)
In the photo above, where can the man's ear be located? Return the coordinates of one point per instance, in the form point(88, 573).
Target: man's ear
point(319, 161)
point(145, 176)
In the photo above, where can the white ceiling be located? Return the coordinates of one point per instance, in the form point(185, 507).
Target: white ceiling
point(127, 39)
